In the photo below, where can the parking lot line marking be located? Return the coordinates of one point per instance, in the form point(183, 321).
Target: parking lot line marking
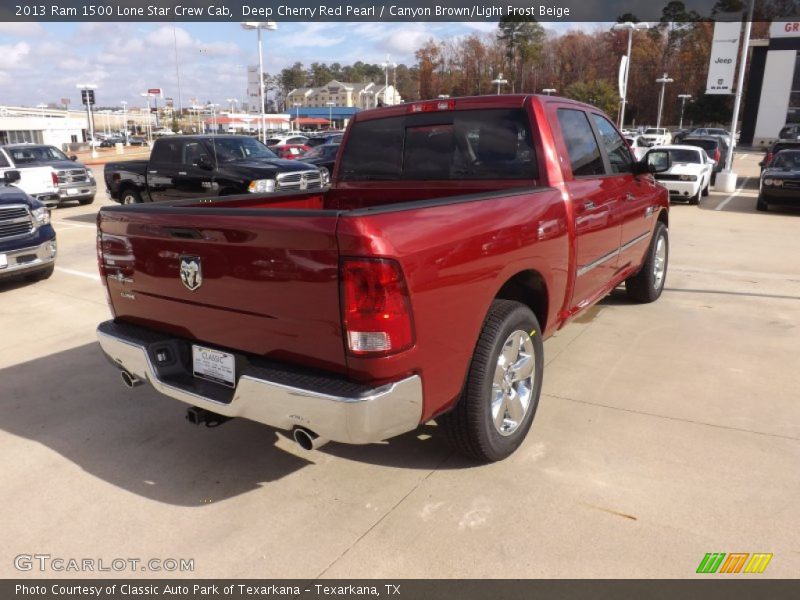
point(71, 224)
point(724, 203)
point(92, 276)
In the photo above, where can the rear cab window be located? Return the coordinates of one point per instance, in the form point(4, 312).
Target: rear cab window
point(480, 144)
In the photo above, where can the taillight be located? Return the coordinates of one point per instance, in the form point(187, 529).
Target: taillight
point(376, 310)
point(431, 106)
point(768, 159)
point(54, 177)
point(716, 154)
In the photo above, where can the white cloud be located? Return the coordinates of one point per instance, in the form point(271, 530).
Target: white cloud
point(14, 55)
point(21, 29)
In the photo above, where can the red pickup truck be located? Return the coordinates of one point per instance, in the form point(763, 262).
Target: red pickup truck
point(456, 235)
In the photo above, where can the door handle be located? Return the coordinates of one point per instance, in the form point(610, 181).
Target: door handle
point(589, 205)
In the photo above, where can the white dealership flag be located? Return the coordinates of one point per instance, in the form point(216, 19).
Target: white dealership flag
point(722, 65)
point(623, 63)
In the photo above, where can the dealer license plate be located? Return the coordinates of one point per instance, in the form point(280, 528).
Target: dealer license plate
point(214, 365)
point(3, 261)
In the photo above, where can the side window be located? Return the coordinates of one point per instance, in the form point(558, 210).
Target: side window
point(166, 152)
point(3, 160)
point(192, 151)
point(618, 154)
point(584, 154)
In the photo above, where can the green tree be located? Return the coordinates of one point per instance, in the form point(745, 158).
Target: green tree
point(599, 93)
point(523, 39)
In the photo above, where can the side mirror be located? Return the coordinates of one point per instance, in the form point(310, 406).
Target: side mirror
point(73, 157)
point(655, 161)
point(204, 162)
point(11, 177)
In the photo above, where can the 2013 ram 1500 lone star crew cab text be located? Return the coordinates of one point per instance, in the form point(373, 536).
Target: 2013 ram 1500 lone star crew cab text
point(456, 235)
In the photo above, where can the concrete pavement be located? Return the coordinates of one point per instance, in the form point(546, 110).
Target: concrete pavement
point(665, 431)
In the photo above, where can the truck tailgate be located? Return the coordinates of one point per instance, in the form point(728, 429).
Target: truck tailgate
point(265, 284)
point(34, 180)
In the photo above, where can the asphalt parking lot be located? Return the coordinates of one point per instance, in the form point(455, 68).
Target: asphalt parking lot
point(665, 431)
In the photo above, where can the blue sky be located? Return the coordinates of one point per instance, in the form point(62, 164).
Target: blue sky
point(43, 62)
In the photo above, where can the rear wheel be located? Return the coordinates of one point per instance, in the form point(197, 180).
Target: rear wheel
point(648, 283)
point(503, 385)
point(130, 196)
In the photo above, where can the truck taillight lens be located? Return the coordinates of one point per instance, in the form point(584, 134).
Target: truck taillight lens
point(54, 177)
point(376, 307)
point(431, 106)
point(716, 154)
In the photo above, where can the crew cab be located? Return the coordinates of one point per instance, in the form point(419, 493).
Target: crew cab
point(73, 180)
point(200, 166)
point(27, 240)
point(456, 235)
point(38, 182)
point(690, 174)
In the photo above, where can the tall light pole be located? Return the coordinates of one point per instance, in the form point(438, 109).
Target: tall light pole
point(663, 80)
point(258, 26)
point(549, 91)
point(499, 81)
point(296, 106)
point(684, 98)
point(630, 27)
point(726, 179)
point(125, 120)
point(232, 102)
point(85, 88)
point(149, 124)
point(330, 106)
point(387, 64)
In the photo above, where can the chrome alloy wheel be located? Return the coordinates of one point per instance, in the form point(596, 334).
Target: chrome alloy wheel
point(512, 386)
point(660, 262)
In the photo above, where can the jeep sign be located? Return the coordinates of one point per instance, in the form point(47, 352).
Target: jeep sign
point(722, 65)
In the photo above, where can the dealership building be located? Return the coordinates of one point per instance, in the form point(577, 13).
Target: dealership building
point(772, 98)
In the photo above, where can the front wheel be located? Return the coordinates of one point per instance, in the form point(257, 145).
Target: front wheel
point(503, 385)
point(648, 283)
point(705, 189)
point(761, 204)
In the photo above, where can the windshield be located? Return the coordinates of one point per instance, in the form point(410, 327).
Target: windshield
point(786, 160)
point(704, 144)
point(684, 156)
point(30, 154)
point(239, 148)
point(654, 131)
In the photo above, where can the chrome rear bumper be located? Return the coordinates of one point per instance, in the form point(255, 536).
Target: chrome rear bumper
point(333, 408)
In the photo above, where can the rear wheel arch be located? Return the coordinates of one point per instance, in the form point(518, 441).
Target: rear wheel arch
point(663, 217)
point(529, 288)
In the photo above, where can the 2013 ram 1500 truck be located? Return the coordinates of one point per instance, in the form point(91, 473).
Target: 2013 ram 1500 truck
point(455, 237)
point(199, 166)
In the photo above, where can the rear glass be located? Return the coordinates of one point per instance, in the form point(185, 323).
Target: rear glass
point(704, 144)
point(684, 156)
point(468, 144)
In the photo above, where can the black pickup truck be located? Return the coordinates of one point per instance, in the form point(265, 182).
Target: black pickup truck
point(27, 240)
point(189, 166)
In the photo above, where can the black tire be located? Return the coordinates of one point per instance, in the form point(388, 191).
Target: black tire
point(129, 196)
point(45, 273)
point(705, 189)
point(86, 201)
point(761, 204)
point(470, 427)
point(695, 200)
point(643, 286)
